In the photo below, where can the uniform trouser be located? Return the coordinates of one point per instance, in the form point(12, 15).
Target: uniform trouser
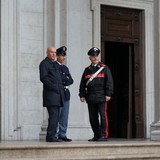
point(63, 119)
point(99, 127)
point(53, 112)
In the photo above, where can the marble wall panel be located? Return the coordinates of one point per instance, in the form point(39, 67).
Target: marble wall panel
point(32, 61)
point(31, 89)
point(31, 103)
point(32, 117)
point(32, 47)
point(30, 132)
point(31, 6)
point(30, 75)
point(31, 32)
point(32, 19)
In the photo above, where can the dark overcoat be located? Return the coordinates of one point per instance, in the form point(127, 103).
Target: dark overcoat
point(53, 89)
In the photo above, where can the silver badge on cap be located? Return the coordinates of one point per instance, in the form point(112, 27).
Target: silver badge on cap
point(95, 49)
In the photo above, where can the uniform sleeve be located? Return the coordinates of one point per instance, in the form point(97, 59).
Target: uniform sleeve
point(44, 77)
point(82, 87)
point(67, 78)
point(108, 82)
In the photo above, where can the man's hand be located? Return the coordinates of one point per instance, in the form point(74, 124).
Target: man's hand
point(82, 99)
point(108, 98)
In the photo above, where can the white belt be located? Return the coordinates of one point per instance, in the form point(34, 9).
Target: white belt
point(94, 76)
point(66, 87)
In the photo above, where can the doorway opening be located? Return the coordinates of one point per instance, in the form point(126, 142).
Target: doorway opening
point(119, 58)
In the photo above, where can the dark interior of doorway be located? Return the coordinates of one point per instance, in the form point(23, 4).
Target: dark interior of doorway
point(119, 58)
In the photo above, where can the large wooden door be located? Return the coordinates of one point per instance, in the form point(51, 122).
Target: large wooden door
point(121, 45)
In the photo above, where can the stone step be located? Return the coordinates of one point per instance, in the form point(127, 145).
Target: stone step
point(111, 150)
point(128, 157)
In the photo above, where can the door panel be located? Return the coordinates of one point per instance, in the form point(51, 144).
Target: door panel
point(118, 27)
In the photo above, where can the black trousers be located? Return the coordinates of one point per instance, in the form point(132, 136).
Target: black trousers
point(53, 112)
point(98, 119)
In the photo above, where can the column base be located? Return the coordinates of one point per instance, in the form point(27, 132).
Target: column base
point(155, 131)
point(43, 132)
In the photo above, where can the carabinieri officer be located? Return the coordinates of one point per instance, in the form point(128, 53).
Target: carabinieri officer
point(66, 81)
point(96, 88)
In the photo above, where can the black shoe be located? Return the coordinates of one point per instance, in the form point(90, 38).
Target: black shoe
point(53, 140)
point(102, 139)
point(65, 139)
point(93, 139)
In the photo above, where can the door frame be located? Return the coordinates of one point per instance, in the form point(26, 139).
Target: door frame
point(148, 41)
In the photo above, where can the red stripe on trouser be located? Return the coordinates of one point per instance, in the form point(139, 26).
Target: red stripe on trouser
point(106, 118)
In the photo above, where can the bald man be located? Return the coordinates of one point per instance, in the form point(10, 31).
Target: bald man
point(53, 92)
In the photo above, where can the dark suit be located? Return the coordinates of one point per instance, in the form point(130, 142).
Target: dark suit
point(53, 93)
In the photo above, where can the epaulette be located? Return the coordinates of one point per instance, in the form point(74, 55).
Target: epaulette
point(101, 65)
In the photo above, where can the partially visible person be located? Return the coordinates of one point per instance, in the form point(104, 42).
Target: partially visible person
point(66, 81)
point(96, 88)
point(53, 92)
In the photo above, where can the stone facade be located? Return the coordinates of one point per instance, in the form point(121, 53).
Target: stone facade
point(29, 26)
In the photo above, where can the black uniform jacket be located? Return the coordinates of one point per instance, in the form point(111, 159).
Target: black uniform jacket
point(99, 87)
point(53, 89)
point(67, 79)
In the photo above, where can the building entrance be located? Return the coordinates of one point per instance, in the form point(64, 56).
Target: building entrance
point(121, 44)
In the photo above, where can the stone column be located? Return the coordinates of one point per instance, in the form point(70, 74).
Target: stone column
point(9, 71)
